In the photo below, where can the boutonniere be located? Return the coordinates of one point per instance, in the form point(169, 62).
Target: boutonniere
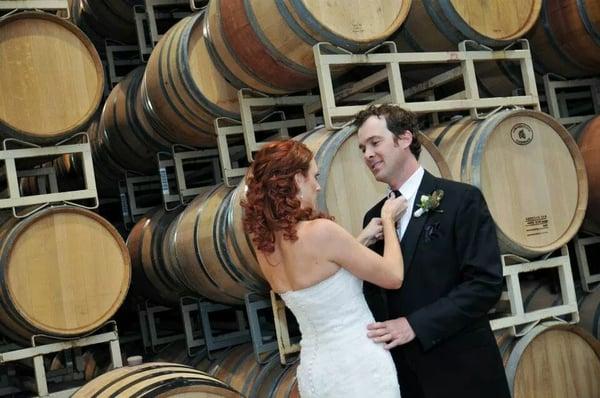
point(429, 203)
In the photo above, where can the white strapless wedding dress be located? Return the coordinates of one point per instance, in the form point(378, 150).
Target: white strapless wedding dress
point(337, 359)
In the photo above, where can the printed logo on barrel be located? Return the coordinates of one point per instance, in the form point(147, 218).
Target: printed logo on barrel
point(522, 134)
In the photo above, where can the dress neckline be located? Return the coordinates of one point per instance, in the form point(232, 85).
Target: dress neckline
point(320, 283)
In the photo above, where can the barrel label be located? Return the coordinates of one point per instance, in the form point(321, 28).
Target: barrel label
point(536, 225)
point(164, 181)
point(124, 206)
point(522, 134)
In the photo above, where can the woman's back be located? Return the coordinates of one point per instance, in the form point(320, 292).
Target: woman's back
point(298, 264)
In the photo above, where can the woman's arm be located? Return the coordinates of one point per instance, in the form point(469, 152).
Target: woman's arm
point(340, 247)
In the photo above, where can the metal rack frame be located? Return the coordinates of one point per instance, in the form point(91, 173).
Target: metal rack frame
point(513, 266)
point(387, 54)
point(28, 150)
point(36, 353)
point(586, 278)
point(557, 102)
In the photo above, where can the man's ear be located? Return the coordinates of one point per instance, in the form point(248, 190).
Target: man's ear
point(407, 138)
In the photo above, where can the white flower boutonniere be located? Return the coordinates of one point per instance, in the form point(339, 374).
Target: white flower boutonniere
point(429, 203)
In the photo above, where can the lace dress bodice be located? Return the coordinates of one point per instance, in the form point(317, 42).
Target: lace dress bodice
point(337, 359)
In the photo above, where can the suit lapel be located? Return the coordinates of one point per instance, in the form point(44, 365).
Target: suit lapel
point(415, 225)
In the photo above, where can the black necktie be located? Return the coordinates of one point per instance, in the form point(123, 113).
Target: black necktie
point(396, 193)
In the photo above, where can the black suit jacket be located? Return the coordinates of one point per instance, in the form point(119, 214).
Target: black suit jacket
point(452, 277)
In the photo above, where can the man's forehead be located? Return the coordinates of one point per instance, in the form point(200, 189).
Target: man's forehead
point(370, 131)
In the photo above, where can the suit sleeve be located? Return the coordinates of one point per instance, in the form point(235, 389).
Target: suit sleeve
point(480, 276)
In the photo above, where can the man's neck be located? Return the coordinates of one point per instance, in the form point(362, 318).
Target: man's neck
point(407, 171)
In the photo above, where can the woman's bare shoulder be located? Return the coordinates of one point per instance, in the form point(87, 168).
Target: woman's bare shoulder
point(320, 231)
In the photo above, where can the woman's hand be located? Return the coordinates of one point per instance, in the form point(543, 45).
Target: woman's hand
point(393, 208)
point(371, 233)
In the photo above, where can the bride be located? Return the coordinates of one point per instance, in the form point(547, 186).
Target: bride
point(318, 269)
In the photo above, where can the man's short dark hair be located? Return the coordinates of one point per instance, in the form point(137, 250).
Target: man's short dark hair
point(398, 121)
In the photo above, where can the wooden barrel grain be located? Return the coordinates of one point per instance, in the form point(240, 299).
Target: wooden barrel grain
point(439, 25)
point(551, 361)
point(268, 45)
point(529, 170)
point(589, 312)
point(65, 271)
point(271, 379)
point(182, 91)
point(177, 352)
point(238, 368)
point(153, 271)
point(276, 380)
point(156, 380)
point(121, 135)
point(51, 78)
point(587, 135)
point(102, 19)
point(214, 261)
point(566, 39)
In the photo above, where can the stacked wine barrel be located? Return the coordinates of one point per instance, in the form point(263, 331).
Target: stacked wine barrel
point(65, 272)
point(156, 379)
point(554, 360)
point(51, 78)
point(529, 170)
point(587, 136)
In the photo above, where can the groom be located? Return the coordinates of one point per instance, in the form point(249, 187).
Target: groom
point(436, 324)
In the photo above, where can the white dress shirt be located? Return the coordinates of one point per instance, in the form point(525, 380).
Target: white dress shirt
point(409, 191)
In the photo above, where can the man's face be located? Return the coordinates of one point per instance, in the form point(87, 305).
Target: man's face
point(383, 154)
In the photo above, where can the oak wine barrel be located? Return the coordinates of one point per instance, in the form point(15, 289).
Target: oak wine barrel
point(587, 135)
point(566, 39)
point(177, 352)
point(51, 78)
point(121, 135)
point(153, 272)
point(268, 45)
point(589, 312)
point(156, 380)
point(529, 170)
point(102, 19)
point(276, 381)
point(64, 271)
point(212, 259)
point(239, 368)
point(182, 91)
point(551, 361)
point(439, 25)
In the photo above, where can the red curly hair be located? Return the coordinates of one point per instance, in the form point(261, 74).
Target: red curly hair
point(271, 203)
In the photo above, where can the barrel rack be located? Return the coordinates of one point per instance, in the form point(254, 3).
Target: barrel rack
point(558, 99)
point(513, 267)
point(13, 150)
point(121, 58)
point(586, 277)
point(37, 351)
point(50, 5)
point(147, 15)
point(175, 185)
point(387, 54)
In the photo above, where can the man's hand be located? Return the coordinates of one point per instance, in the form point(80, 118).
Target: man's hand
point(393, 333)
point(371, 233)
